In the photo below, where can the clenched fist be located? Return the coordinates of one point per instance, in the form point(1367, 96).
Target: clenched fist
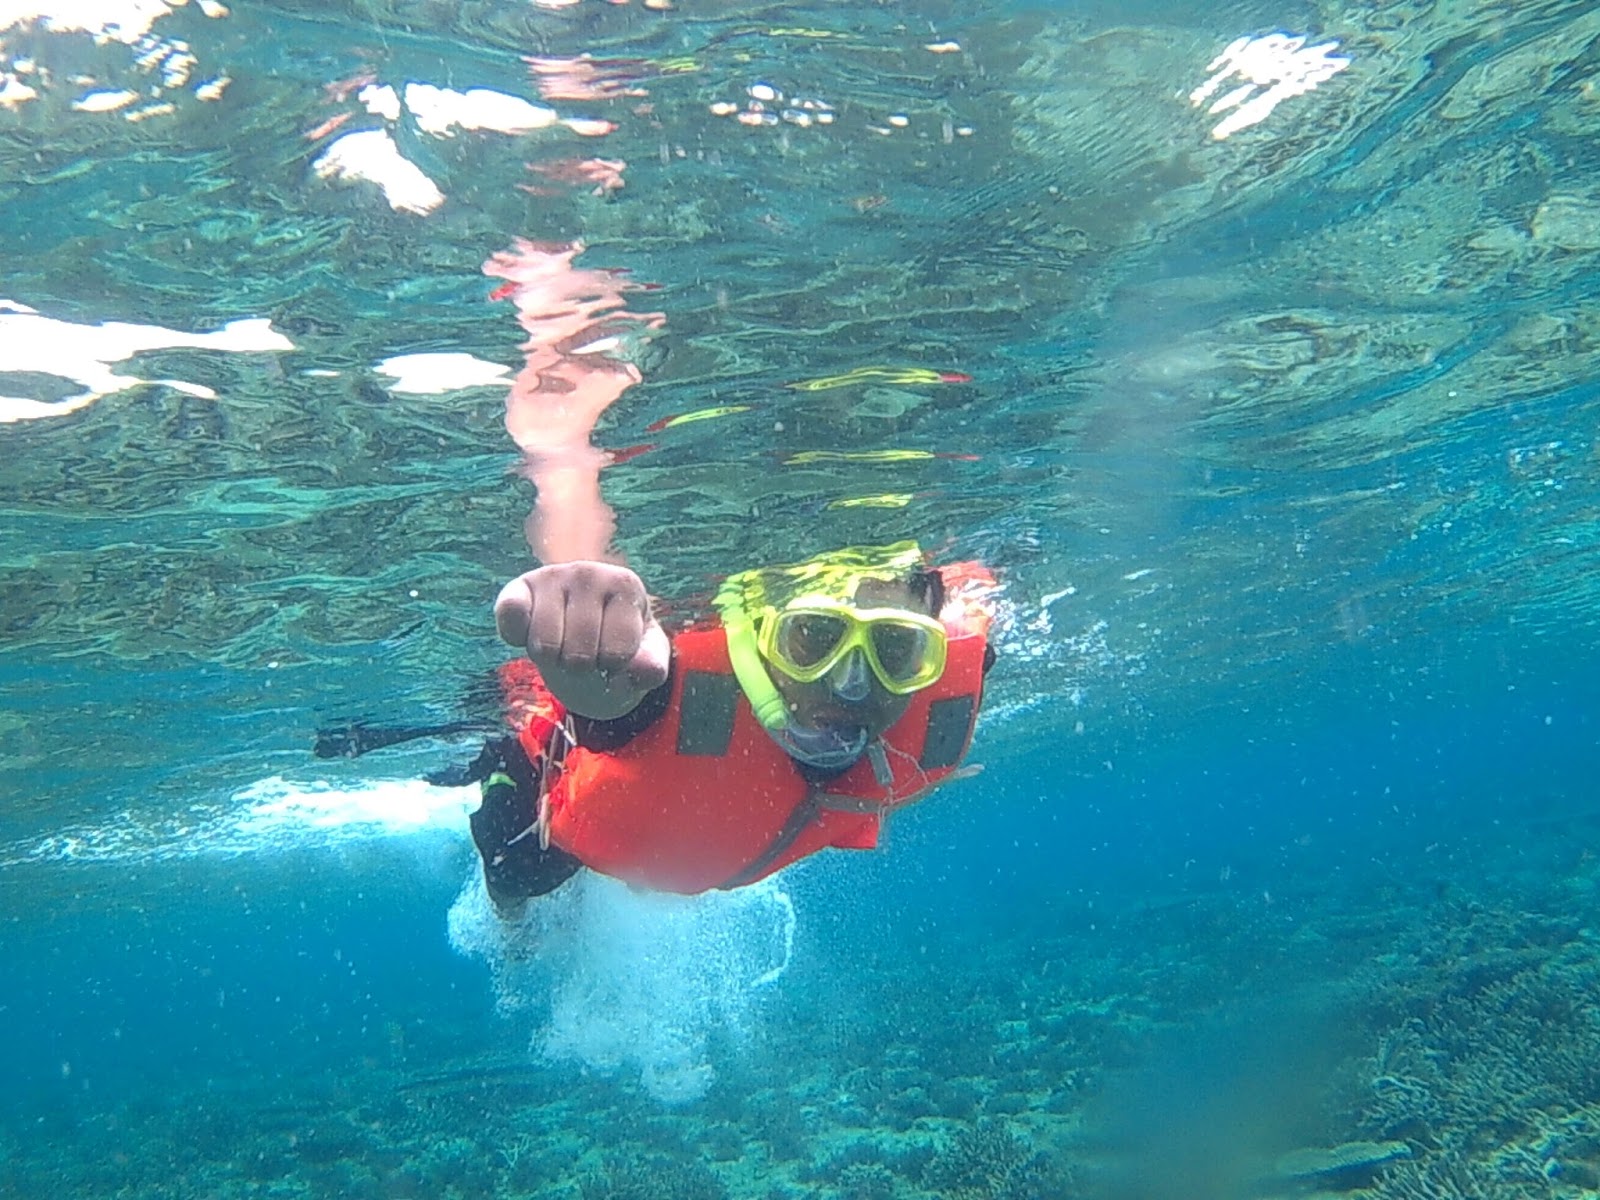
point(587, 627)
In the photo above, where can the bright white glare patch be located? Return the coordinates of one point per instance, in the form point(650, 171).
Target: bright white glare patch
point(373, 155)
point(123, 21)
point(30, 343)
point(13, 91)
point(1273, 68)
point(150, 110)
point(436, 374)
point(97, 102)
point(440, 111)
point(380, 100)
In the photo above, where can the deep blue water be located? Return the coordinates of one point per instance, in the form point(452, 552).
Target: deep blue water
point(290, 975)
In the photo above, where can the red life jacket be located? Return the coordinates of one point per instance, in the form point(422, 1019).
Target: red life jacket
point(704, 798)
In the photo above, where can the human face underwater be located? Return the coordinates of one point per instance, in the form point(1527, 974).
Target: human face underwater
point(857, 665)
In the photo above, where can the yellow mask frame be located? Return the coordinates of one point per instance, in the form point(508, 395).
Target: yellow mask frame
point(745, 597)
point(846, 629)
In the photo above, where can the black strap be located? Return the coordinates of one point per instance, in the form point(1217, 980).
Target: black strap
point(358, 738)
point(800, 818)
point(706, 714)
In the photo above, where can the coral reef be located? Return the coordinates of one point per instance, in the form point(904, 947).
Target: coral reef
point(866, 1181)
point(990, 1160)
point(1465, 1066)
point(646, 1176)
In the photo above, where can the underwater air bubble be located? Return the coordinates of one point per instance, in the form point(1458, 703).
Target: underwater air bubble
point(626, 981)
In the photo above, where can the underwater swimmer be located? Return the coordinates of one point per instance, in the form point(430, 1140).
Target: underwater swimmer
point(826, 695)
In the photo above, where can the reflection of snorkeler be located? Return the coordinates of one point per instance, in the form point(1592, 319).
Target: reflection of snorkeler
point(827, 695)
point(576, 366)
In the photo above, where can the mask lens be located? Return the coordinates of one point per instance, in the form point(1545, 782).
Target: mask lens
point(902, 650)
point(806, 639)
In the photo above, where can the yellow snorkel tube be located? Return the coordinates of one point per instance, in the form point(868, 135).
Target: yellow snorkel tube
point(765, 700)
point(835, 574)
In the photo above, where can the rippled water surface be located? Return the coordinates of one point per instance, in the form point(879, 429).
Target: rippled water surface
point(1253, 344)
point(1235, 405)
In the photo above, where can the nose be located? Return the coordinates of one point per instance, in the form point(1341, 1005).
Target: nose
point(849, 678)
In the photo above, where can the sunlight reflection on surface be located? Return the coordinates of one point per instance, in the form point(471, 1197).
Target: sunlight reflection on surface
point(1273, 68)
point(85, 354)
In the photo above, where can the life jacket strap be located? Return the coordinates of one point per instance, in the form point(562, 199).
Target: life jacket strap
point(799, 821)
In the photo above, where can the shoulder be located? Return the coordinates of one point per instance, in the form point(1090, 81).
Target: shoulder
point(616, 732)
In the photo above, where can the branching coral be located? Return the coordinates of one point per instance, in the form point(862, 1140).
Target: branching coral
point(1490, 1076)
point(651, 1177)
point(866, 1181)
point(990, 1161)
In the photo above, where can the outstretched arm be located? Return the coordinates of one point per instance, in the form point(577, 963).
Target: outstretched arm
point(587, 626)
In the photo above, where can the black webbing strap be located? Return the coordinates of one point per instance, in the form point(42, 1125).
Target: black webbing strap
point(800, 818)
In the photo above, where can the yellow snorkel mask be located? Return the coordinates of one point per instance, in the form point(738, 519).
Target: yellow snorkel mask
point(802, 621)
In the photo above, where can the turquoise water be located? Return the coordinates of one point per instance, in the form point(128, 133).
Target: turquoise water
point(1252, 345)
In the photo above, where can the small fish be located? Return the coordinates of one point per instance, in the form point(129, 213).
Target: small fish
point(327, 127)
point(628, 453)
point(802, 32)
point(807, 457)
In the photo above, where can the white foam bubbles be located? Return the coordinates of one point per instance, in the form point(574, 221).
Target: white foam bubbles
point(277, 811)
point(270, 816)
point(625, 981)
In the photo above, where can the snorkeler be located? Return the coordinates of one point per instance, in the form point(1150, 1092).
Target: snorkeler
point(827, 695)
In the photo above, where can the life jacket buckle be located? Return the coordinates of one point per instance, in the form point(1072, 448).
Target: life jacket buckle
point(563, 737)
point(879, 758)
